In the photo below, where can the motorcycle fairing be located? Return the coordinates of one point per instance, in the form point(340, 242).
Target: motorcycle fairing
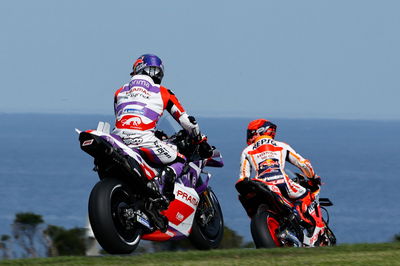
point(193, 172)
point(314, 211)
point(180, 214)
point(117, 142)
point(271, 185)
point(191, 176)
point(310, 241)
point(215, 160)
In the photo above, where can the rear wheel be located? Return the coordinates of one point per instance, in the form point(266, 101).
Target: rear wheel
point(264, 229)
point(208, 224)
point(108, 204)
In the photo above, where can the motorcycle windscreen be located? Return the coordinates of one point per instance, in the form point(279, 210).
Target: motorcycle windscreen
point(168, 125)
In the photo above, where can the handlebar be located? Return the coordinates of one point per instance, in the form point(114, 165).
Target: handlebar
point(187, 145)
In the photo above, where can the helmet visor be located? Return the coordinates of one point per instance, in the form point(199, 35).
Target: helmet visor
point(154, 72)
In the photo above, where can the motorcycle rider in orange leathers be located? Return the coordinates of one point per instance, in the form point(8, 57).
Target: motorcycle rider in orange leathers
point(266, 157)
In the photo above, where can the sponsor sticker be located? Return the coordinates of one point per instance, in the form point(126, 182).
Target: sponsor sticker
point(87, 142)
point(132, 111)
point(128, 133)
point(187, 197)
point(131, 121)
point(264, 141)
point(143, 221)
point(134, 141)
point(180, 216)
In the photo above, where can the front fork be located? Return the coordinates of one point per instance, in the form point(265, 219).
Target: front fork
point(207, 211)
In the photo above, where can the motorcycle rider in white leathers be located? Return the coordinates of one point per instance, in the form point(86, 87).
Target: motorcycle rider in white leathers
point(266, 157)
point(138, 106)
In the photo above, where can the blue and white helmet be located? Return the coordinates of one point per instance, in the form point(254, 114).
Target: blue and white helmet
point(150, 65)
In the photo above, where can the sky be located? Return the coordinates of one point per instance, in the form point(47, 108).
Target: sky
point(299, 59)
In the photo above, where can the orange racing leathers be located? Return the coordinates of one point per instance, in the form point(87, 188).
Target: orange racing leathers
point(266, 157)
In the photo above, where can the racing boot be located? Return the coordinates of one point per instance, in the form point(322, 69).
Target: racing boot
point(169, 177)
point(160, 201)
point(157, 203)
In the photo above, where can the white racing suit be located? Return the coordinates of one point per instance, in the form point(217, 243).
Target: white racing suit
point(138, 106)
point(267, 157)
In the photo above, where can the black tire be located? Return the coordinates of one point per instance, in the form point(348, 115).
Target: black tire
point(207, 236)
point(105, 202)
point(263, 228)
point(330, 237)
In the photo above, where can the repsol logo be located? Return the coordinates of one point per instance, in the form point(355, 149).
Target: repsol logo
point(185, 196)
point(264, 141)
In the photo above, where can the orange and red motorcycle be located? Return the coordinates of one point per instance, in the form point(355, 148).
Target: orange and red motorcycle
point(276, 223)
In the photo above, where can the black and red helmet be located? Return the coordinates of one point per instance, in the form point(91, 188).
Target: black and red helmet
point(260, 127)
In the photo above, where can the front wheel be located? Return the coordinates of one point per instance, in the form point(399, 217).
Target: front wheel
point(208, 224)
point(264, 228)
point(108, 203)
point(329, 238)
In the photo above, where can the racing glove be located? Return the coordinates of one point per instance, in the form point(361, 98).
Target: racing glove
point(205, 149)
point(160, 135)
point(314, 182)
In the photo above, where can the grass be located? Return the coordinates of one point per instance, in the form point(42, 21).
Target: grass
point(356, 254)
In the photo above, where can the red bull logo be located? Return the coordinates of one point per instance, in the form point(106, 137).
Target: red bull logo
point(270, 170)
point(269, 163)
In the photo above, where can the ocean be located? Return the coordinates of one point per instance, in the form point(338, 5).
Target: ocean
point(43, 170)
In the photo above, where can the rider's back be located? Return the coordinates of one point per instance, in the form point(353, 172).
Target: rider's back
point(266, 156)
point(139, 104)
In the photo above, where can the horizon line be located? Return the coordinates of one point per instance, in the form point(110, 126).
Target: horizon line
point(222, 116)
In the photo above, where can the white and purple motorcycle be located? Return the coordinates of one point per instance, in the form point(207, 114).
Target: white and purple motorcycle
point(120, 206)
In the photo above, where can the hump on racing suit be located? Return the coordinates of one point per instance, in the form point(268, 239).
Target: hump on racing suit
point(267, 157)
point(139, 104)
